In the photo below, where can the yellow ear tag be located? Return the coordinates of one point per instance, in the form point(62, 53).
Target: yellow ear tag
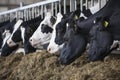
point(76, 17)
point(106, 24)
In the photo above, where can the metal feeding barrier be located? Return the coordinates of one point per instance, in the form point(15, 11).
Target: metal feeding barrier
point(33, 10)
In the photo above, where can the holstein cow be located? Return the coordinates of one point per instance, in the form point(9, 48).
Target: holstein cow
point(59, 27)
point(6, 31)
point(27, 30)
point(101, 39)
point(42, 35)
point(22, 34)
point(74, 43)
point(57, 41)
point(6, 49)
point(110, 11)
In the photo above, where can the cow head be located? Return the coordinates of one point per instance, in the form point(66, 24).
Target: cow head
point(100, 39)
point(57, 40)
point(9, 43)
point(43, 33)
point(74, 45)
point(53, 47)
point(16, 34)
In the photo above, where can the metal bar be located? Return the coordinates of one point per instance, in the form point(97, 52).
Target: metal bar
point(35, 14)
point(71, 5)
point(92, 2)
point(56, 10)
point(52, 7)
point(42, 12)
point(99, 3)
point(60, 6)
point(81, 5)
point(75, 4)
point(86, 4)
point(32, 11)
point(29, 6)
point(38, 11)
point(64, 6)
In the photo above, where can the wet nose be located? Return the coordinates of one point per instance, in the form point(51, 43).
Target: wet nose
point(9, 42)
point(49, 49)
point(31, 40)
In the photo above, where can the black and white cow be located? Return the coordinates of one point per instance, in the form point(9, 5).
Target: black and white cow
point(110, 11)
point(6, 31)
point(42, 35)
point(6, 49)
point(74, 44)
point(22, 34)
point(101, 39)
point(57, 41)
point(27, 30)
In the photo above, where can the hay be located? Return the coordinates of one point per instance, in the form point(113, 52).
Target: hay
point(44, 66)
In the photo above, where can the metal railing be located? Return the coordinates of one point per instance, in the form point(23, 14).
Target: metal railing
point(33, 10)
point(29, 11)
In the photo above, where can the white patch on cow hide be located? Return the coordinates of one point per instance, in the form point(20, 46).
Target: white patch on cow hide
point(39, 38)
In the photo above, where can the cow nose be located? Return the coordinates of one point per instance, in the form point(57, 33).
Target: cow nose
point(49, 49)
point(31, 40)
point(9, 42)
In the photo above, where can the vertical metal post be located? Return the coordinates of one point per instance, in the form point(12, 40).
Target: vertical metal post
point(60, 6)
point(64, 6)
point(25, 16)
point(75, 4)
point(92, 2)
point(21, 12)
point(99, 3)
point(38, 11)
point(32, 12)
point(72, 5)
point(52, 7)
point(29, 14)
point(42, 11)
point(81, 5)
point(86, 4)
point(56, 10)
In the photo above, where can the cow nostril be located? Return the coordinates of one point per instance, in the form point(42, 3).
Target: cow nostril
point(31, 40)
point(10, 42)
point(49, 49)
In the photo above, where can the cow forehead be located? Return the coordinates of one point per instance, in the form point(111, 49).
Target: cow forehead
point(59, 18)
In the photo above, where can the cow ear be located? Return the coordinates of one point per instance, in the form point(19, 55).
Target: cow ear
point(52, 20)
point(106, 23)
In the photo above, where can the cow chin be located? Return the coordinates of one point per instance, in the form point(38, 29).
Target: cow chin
point(6, 50)
point(65, 57)
point(54, 51)
point(97, 54)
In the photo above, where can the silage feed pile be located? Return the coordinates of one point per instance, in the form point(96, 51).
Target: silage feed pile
point(45, 66)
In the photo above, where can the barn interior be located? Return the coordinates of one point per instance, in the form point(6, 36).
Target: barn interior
point(43, 65)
